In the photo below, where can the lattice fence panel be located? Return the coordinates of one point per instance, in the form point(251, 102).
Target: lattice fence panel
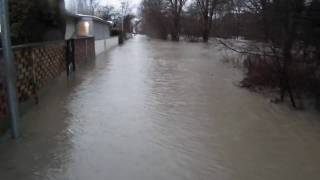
point(24, 68)
point(50, 62)
point(35, 66)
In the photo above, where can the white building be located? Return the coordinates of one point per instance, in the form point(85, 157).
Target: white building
point(79, 25)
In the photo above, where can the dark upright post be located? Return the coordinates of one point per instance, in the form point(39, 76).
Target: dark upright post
point(9, 68)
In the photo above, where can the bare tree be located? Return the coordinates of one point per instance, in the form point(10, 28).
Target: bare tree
point(279, 21)
point(207, 8)
point(107, 12)
point(128, 23)
point(191, 23)
point(155, 18)
point(175, 9)
point(167, 14)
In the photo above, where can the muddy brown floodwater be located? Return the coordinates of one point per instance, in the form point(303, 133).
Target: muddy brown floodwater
point(155, 110)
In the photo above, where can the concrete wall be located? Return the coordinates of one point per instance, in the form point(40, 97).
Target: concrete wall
point(105, 44)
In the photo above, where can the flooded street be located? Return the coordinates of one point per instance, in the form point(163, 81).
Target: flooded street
point(156, 110)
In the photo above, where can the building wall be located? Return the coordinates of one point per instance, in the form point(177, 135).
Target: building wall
point(100, 30)
point(87, 26)
point(84, 27)
point(70, 28)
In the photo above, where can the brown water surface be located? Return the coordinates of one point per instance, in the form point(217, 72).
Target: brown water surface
point(155, 110)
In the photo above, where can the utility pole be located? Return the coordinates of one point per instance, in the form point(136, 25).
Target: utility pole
point(91, 7)
point(121, 38)
point(9, 69)
point(122, 15)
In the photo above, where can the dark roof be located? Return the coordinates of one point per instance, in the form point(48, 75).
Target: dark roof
point(95, 18)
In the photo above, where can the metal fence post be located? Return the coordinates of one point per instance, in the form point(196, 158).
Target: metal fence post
point(9, 68)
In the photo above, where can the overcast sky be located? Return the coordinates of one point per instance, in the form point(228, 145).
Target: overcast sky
point(134, 4)
point(117, 3)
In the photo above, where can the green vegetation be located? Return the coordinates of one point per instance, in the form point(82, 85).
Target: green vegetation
point(36, 20)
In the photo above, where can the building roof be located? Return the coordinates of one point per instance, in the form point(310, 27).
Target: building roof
point(95, 18)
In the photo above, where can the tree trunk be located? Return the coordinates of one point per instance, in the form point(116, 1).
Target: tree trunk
point(176, 29)
point(205, 36)
point(286, 87)
point(285, 79)
point(206, 29)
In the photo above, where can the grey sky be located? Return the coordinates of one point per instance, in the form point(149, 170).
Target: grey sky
point(134, 4)
point(117, 3)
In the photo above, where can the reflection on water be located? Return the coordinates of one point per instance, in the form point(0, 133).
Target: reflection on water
point(160, 110)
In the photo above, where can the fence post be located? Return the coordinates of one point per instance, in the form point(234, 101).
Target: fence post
point(86, 40)
point(9, 68)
